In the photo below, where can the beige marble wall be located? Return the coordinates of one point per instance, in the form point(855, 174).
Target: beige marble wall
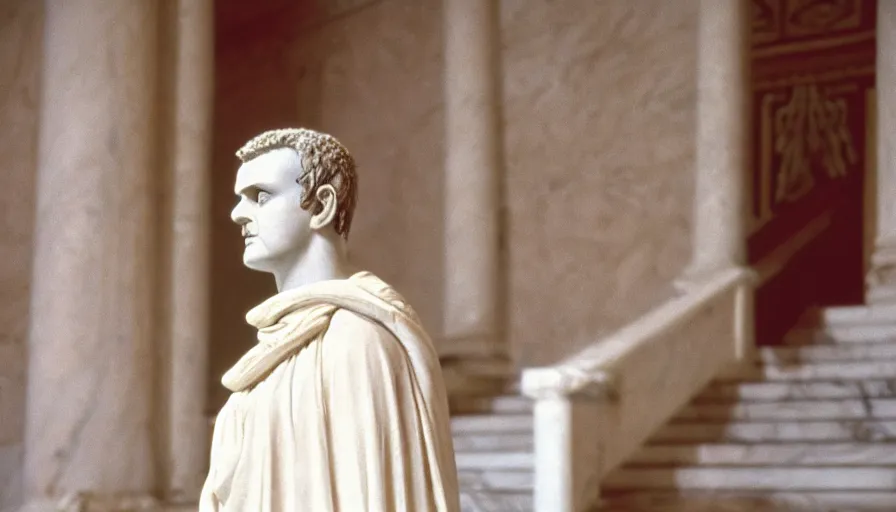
point(600, 128)
point(599, 119)
point(377, 77)
point(600, 104)
point(20, 50)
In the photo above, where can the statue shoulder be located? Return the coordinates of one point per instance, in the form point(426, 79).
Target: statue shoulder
point(354, 338)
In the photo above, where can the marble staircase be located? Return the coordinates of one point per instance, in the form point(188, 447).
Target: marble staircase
point(810, 425)
point(494, 452)
point(806, 426)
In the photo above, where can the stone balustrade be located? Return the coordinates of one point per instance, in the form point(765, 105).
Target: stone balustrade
point(597, 408)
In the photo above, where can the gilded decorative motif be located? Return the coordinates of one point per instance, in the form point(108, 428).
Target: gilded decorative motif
point(812, 63)
point(810, 127)
point(803, 134)
point(821, 17)
point(787, 22)
point(766, 20)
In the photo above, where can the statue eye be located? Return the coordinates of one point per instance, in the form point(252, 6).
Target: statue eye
point(263, 196)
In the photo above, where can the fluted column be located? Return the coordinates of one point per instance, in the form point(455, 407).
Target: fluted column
point(190, 141)
point(882, 276)
point(473, 176)
point(723, 121)
point(89, 411)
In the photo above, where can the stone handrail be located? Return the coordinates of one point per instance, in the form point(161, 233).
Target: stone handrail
point(596, 408)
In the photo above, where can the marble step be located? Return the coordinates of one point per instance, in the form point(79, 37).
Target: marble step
point(878, 314)
point(777, 432)
point(491, 459)
point(779, 391)
point(496, 480)
point(487, 376)
point(852, 409)
point(835, 370)
point(520, 442)
point(754, 479)
point(842, 333)
point(498, 368)
point(749, 502)
point(495, 501)
point(505, 404)
point(789, 454)
point(491, 423)
point(819, 353)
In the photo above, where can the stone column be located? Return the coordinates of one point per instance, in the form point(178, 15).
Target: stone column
point(190, 143)
point(723, 121)
point(882, 276)
point(473, 175)
point(89, 424)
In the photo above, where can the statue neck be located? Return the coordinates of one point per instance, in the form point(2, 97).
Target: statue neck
point(325, 258)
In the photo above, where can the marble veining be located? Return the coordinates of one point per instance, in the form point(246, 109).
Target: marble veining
point(91, 327)
point(600, 189)
point(819, 353)
point(781, 431)
point(779, 391)
point(827, 370)
point(791, 410)
point(772, 454)
point(807, 427)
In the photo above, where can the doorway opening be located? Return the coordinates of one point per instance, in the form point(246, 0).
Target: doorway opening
point(813, 138)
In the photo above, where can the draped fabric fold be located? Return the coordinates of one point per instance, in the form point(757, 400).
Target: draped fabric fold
point(339, 407)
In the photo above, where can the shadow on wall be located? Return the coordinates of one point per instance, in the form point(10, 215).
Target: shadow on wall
point(370, 74)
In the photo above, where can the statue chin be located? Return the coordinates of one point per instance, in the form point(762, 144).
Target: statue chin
point(260, 258)
point(251, 263)
point(254, 260)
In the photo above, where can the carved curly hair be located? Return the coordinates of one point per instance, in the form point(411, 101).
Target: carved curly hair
point(324, 161)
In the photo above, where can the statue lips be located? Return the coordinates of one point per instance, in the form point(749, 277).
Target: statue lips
point(247, 236)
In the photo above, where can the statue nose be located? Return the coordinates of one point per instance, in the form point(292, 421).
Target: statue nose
point(238, 215)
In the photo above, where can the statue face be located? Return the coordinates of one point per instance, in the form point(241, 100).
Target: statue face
point(275, 227)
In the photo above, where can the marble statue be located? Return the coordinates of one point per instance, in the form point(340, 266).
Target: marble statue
point(340, 406)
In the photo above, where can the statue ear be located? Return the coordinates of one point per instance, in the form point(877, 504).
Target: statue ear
point(326, 197)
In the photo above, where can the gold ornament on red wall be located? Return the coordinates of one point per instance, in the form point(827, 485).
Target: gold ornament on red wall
point(810, 128)
point(779, 21)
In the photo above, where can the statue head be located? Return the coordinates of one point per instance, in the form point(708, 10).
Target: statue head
point(293, 184)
